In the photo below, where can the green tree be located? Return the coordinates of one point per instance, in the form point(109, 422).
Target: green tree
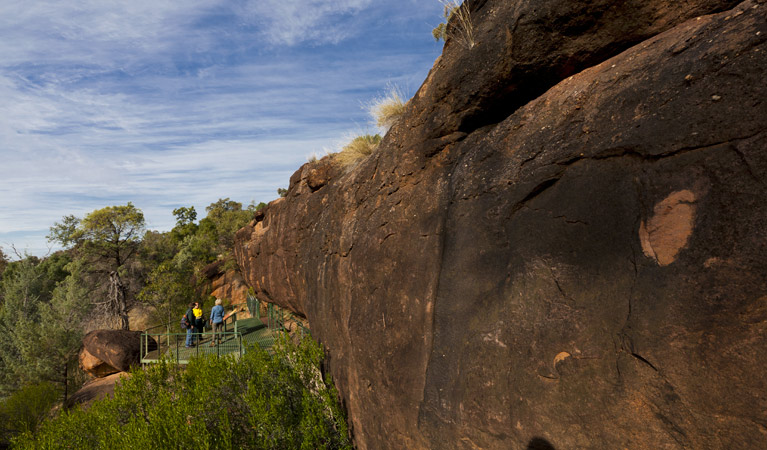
point(168, 290)
point(22, 292)
point(42, 327)
point(107, 239)
point(171, 263)
point(185, 226)
point(253, 207)
point(185, 216)
point(61, 328)
point(214, 236)
point(224, 218)
point(3, 262)
point(155, 249)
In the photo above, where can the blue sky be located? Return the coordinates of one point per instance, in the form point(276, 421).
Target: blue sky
point(167, 103)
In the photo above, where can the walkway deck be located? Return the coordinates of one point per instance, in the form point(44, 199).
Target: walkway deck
point(236, 339)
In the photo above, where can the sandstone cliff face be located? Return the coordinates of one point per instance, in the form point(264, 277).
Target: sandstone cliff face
point(228, 284)
point(563, 241)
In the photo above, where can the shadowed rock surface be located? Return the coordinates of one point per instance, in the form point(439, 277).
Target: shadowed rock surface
point(93, 366)
point(562, 242)
point(93, 390)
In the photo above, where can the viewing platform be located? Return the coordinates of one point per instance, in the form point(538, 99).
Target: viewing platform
point(238, 335)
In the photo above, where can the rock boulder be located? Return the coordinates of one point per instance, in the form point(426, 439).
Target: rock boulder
point(120, 349)
point(93, 366)
point(93, 390)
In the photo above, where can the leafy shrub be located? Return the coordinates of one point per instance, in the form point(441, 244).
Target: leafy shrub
point(261, 401)
point(25, 409)
point(358, 148)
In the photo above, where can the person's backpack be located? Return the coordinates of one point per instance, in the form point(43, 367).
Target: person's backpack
point(185, 323)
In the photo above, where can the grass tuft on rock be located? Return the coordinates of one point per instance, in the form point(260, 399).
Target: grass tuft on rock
point(458, 23)
point(388, 109)
point(359, 148)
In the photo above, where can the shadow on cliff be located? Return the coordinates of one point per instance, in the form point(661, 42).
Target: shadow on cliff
point(539, 444)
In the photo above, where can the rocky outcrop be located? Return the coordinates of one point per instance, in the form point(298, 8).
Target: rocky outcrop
point(120, 349)
point(228, 285)
point(95, 367)
point(94, 390)
point(107, 355)
point(561, 244)
point(142, 317)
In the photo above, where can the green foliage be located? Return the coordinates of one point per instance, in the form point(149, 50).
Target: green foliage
point(107, 239)
point(3, 262)
point(65, 232)
point(60, 336)
point(109, 235)
point(282, 192)
point(261, 401)
point(25, 410)
point(185, 225)
point(45, 303)
point(41, 323)
point(157, 248)
point(212, 239)
point(32, 278)
point(168, 290)
point(253, 207)
point(184, 215)
point(224, 218)
point(110, 232)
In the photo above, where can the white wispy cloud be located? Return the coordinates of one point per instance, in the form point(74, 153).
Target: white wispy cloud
point(167, 103)
point(312, 21)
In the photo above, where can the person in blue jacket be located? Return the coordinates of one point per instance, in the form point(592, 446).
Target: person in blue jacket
point(217, 319)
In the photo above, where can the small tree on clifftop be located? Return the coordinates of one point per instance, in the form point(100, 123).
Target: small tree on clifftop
point(106, 239)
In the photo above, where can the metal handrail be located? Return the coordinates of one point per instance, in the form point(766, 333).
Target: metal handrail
point(173, 344)
point(254, 305)
point(304, 330)
point(275, 316)
point(230, 319)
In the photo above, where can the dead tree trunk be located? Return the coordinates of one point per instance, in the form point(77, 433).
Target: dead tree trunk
point(117, 301)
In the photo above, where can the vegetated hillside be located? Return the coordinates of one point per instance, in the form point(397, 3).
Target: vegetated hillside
point(561, 244)
point(263, 400)
point(113, 274)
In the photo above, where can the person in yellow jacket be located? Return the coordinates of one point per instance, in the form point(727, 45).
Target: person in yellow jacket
point(199, 321)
